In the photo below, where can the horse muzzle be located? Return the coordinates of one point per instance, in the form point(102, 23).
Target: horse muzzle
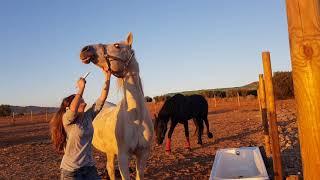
point(87, 54)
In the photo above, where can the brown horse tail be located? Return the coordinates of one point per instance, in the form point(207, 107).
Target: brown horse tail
point(209, 134)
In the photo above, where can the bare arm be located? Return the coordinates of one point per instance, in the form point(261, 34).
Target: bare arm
point(76, 101)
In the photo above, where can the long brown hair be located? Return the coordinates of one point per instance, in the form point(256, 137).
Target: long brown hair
point(58, 134)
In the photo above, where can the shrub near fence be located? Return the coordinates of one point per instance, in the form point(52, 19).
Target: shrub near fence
point(283, 85)
point(5, 110)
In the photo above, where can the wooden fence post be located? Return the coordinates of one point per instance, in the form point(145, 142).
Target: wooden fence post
point(238, 98)
point(31, 115)
point(304, 38)
point(271, 108)
point(215, 101)
point(263, 112)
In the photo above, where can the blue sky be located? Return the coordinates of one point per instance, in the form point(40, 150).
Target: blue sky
point(180, 45)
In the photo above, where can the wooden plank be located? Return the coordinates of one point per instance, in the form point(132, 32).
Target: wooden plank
point(263, 112)
point(304, 38)
point(271, 109)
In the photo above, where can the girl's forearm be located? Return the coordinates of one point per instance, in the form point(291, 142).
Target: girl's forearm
point(76, 101)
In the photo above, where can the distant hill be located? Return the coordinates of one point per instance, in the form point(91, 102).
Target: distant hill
point(34, 109)
point(250, 86)
point(41, 110)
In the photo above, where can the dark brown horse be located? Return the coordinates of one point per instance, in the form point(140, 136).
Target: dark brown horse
point(180, 109)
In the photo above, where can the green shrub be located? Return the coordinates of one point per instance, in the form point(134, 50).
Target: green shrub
point(5, 110)
point(148, 99)
point(283, 85)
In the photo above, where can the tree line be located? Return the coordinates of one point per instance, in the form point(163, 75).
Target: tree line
point(282, 82)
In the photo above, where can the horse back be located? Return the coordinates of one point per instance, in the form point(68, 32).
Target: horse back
point(183, 108)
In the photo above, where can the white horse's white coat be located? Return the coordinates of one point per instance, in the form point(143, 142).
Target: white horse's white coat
point(126, 129)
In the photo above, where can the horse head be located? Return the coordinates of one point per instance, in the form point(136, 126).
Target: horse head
point(116, 57)
point(160, 128)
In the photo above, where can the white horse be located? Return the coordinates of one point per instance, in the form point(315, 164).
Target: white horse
point(127, 128)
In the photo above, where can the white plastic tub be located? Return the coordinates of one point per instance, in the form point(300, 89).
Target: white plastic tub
point(239, 163)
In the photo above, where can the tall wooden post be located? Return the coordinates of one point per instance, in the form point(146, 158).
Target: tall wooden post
point(215, 101)
point(304, 38)
point(271, 108)
point(263, 111)
point(31, 115)
point(238, 98)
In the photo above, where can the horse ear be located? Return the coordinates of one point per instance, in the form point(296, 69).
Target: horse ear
point(129, 39)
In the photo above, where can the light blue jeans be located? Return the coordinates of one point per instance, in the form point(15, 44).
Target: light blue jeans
point(83, 173)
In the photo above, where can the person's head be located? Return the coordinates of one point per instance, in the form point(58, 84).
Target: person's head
point(58, 134)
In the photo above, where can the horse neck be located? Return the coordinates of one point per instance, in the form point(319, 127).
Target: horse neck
point(133, 93)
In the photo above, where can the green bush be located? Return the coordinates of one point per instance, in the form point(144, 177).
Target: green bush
point(5, 110)
point(283, 85)
point(161, 98)
point(220, 94)
point(148, 99)
point(232, 93)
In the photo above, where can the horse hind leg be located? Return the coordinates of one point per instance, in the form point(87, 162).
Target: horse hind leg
point(196, 125)
point(186, 132)
point(200, 130)
point(110, 166)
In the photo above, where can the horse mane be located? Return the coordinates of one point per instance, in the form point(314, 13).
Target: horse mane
point(167, 108)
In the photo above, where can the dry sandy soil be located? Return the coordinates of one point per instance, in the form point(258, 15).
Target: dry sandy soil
point(26, 152)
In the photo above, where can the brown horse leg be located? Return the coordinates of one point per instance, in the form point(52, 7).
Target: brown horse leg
point(186, 132)
point(200, 130)
point(168, 144)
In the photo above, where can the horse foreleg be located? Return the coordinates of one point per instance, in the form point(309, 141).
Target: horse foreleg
point(209, 134)
point(186, 133)
point(168, 144)
point(123, 160)
point(110, 166)
point(142, 158)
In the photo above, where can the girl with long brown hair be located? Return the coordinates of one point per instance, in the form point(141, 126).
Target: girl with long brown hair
point(72, 132)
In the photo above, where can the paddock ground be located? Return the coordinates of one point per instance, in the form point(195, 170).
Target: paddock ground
point(26, 152)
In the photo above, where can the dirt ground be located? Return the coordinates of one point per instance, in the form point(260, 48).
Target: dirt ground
point(26, 152)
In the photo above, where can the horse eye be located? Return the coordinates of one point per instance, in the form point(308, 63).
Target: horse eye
point(117, 45)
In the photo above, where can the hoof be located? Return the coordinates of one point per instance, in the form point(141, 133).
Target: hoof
point(210, 135)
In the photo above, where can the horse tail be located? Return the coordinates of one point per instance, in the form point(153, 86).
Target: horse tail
point(209, 134)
